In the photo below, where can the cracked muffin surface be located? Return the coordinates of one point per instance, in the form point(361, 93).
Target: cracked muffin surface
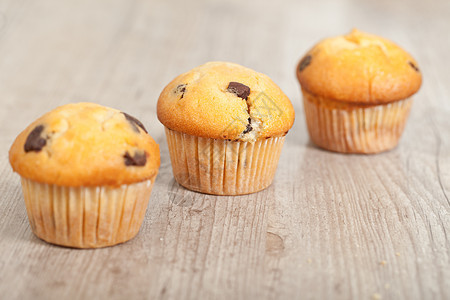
point(222, 100)
point(85, 144)
point(359, 68)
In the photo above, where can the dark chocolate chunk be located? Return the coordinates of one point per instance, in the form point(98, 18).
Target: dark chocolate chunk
point(249, 127)
point(138, 159)
point(413, 66)
point(134, 122)
point(304, 62)
point(239, 89)
point(180, 89)
point(34, 140)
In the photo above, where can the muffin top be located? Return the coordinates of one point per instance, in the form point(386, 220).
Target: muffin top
point(359, 68)
point(85, 144)
point(223, 100)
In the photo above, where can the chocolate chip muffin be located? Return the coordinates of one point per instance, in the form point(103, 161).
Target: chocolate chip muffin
point(225, 127)
point(87, 173)
point(357, 92)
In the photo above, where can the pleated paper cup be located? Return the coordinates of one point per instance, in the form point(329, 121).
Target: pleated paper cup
point(352, 128)
point(86, 217)
point(223, 167)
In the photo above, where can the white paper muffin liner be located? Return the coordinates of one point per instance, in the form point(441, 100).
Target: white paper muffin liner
point(223, 167)
point(86, 217)
point(349, 128)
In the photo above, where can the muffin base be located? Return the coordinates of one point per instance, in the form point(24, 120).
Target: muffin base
point(353, 128)
point(223, 167)
point(86, 217)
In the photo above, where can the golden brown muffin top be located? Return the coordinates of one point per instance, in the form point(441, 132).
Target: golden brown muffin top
point(359, 68)
point(85, 144)
point(223, 100)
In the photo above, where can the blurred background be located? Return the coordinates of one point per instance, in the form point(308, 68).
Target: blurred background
point(53, 52)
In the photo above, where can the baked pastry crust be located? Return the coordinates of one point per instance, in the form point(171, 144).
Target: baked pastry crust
point(202, 103)
point(85, 144)
point(359, 68)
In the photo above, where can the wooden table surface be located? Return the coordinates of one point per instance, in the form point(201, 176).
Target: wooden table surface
point(331, 226)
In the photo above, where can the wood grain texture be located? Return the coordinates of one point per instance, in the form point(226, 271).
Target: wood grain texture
point(331, 226)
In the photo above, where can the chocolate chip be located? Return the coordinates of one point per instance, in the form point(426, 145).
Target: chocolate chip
point(413, 66)
point(304, 62)
point(139, 159)
point(134, 122)
point(180, 89)
point(239, 89)
point(249, 127)
point(34, 140)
